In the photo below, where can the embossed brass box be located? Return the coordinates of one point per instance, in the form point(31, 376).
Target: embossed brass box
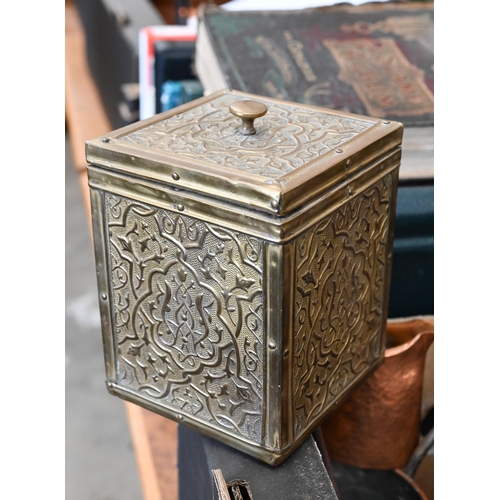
point(243, 279)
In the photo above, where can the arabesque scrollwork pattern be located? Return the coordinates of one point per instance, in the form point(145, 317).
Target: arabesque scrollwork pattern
point(340, 279)
point(287, 137)
point(188, 314)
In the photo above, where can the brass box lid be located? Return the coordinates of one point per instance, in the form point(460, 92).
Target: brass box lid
point(298, 152)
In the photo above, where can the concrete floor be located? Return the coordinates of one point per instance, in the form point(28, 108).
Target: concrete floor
point(100, 462)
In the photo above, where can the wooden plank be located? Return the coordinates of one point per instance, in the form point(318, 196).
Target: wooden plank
point(155, 443)
point(84, 186)
point(163, 438)
point(85, 114)
point(142, 446)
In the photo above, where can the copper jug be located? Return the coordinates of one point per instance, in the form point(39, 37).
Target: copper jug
point(378, 426)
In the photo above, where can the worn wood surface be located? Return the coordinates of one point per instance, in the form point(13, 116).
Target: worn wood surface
point(155, 443)
point(85, 116)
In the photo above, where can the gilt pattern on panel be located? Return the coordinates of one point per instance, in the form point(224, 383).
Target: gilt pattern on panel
point(188, 314)
point(340, 269)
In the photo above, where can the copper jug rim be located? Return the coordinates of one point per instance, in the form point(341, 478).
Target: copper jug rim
point(420, 327)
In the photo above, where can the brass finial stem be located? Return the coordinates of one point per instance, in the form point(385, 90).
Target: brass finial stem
point(248, 111)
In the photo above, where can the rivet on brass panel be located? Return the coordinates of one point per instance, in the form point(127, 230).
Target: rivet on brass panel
point(241, 272)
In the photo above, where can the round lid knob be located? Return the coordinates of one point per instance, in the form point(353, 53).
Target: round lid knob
point(248, 111)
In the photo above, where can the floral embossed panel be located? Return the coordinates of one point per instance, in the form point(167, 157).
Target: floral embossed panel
point(287, 137)
point(340, 278)
point(188, 314)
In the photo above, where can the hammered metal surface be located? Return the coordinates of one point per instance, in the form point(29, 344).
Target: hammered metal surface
point(378, 426)
point(288, 137)
point(188, 314)
point(340, 279)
